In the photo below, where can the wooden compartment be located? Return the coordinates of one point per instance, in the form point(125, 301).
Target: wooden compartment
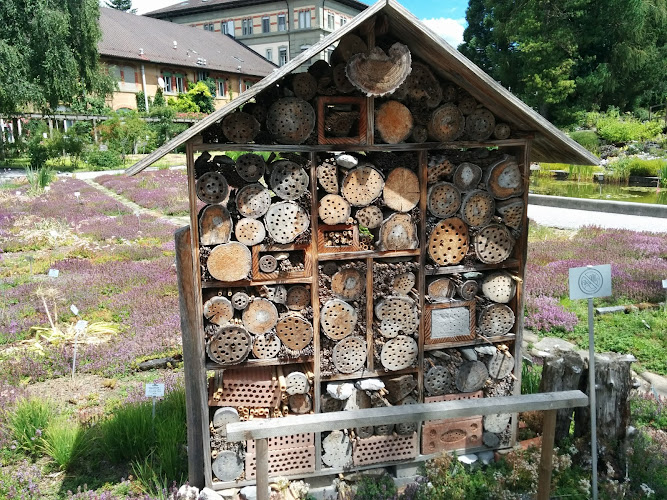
point(299, 257)
point(329, 238)
point(342, 120)
point(449, 322)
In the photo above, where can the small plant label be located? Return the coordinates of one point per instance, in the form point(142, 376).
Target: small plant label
point(74, 309)
point(664, 283)
point(18, 193)
point(54, 273)
point(80, 326)
point(590, 281)
point(154, 390)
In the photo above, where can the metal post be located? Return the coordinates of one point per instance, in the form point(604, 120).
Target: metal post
point(154, 399)
point(591, 398)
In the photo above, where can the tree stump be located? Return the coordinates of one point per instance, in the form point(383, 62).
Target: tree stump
point(446, 123)
point(260, 316)
point(285, 221)
point(250, 231)
point(503, 179)
point(348, 284)
point(378, 74)
point(401, 190)
point(362, 185)
point(253, 201)
point(493, 244)
point(288, 180)
point(370, 217)
point(338, 319)
point(250, 167)
point(480, 124)
point(290, 120)
point(438, 167)
point(466, 176)
point(443, 199)
point(295, 332)
point(477, 208)
point(337, 450)
point(511, 211)
point(448, 242)
point(441, 289)
point(349, 354)
point(334, 209)
point(212, 188)
point(471, 376)
point(495, 320)
point(499, 287)
point(399, 353)
point(230, 345)
point(327, 176)
point(298, 298)
point(215, 225)
point(304, 86)
point(266, 346)
point(393, 122)
point(230, 262)
point(398, 232)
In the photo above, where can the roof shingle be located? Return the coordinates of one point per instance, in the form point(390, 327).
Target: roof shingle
point(190, 6)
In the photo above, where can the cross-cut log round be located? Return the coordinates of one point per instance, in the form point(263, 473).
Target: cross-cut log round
point(290, 120)
point(266, 346)
point(471, 376)
point(304, 86)
point(230, 345)
point(511, 211)
point(499, 287)
point(260, 316)
point(480, 124)
point(230, 262)
point(212, 188)
point(288, 180)
point(500, 365)
point(493, 244)
point(446, 123)
point(400, 311)
point(218, 310)
point(341, 81)
point(448, 242)
point(297, 383)
point(370, 217)
point(477, 208)
point(240, 300)
point(240, 127)
point(496, 320)
point(334, 209)
point(401, 190)
point(295, 331)
point(468, 289)
point(253, 201)
point(338, 319)
point(441, 289)
point(250, 231)
point(215, 225)
point(503, 179)
point(502, 131)
point(298, 298)
point(327, 176)
point(285, 221)
point(467, 103)
point(348, 284)
point(376, 73)
point(438, 167)
point(467, 175)
point(227, 466)
point(398, 232)
point(437, 380)
point(268, 263)
point(362, 185)
point(399, 353)
point(250, 167)
point(443, 199)
point(421, 86)
point(394, 122)
point(349, 355)
point(300, 403)
point(403, 283)
point(348, 46)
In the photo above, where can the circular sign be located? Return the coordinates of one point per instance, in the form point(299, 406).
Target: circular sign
point(591, 281)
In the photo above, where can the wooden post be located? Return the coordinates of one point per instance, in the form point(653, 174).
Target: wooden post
point(262, 468)
point(548, 434)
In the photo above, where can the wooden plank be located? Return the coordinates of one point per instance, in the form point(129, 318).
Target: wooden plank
point(260, 429)
point(262, 467)
point(544, 474)
point(366, 254)
point(369, 315)
point(365, 373)
point(246, 283)
point(250, 363)
point(506, 264)
point(510, 337)
point(421, 278)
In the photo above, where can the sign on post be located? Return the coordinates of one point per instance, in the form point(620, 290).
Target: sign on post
point(154, 390)
point(54, 273)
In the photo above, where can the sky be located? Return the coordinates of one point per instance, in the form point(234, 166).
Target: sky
point(447, 18)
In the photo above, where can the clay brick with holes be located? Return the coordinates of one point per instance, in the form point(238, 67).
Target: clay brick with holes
point(284, 461)
point(285, 442)
point(447, 435)
point(381, 449)
point(256, 387)
point(454, 397)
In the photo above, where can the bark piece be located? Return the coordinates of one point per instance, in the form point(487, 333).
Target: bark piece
point(362, 185)
point(448, 242)
point(260, 316)
point(266, 346)
point(401, 190)
point(503, 179)
point(230, 345)
point(298, 298)
point(499, 287)
point(228, 465)
point(215, 225)
point(250, 167)
point(285, 221)
point(230, 262)
point(349, 355)
point(446, 123)
point(240, 127)
point(438, 167)
point(334, 209)
point(495, 320)
point(300, 403)
point(477, 208)
point(502, 131)
point(399, 353)
point(443, 199)
point(493, 244)
point(370, 217)
point(480, 124)
point(467, 175)
point(290, 120)
point(398, 232)
point(295, 331)
point(218, 310)
point(212, 188)
point(394, 122)
point(441, 289)
point(471, 376)
point(250, 231)
point(348, 284)
point(327, 176)
point(511, 211)
point(376, 73)
point(288, 180)
point(337, 450)
point(338, 319)
point(253, 201)
point(304, 86)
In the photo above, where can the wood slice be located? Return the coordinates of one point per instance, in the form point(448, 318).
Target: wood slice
point(376, 73)
point(399, 353)
point(511, 211)
point(493, 244)
point(438, 167)
point(401, 190)
point(502, 131)
point(364, 432)
point(319, 69)
point(370, 217)
point(257, 110)
point(304, 86)
point(329, 404)
point(448, 242)
point(495, 320)
point(260, 316)
point(240, 300)
point(403, 283)
point(401, 311)
point(285, 221)
point(496, 423)
point(340, 79)
point(212, 188)
point(288, 180)
point(223, 416)
point(230, 262)
point(441, 289)
point(383, 429)
point(503, 179)
point(467, 104)
point(215, 225)
point(389, 329)
point(230, 345)
point(393, 122)
point(250, 231)
point(268, 264)
point(300, 403)
point(419, 134)
point(446, 123)
point(480, 124)
point(327, 176)
point(266, 346)
point(348, 284)
point(466, 176)
point(399, 387)
point(468, 289)
point(295, 331)
point(422, 86)
point(398, 232)
point(240, 127)
point(290, 120)
point(250, 167)
point(437, 380)
point(443, 199)
point(338, 319)
point(348, 46)
point(337, 450)
point(500, 365)
point(362, 185)
point(218, 310)
point(297, 383)
point(334, 209)
point(227, 466)
point(472, 376)
point(276, 294)
point(298, 298)
point(449, 92)
point(349, 355)
point(253, 201)
point(499, 287)
point(477, 208)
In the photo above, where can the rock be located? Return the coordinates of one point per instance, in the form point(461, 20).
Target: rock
point(609, 310)
point(346, 161)
point(468, 353)
point(487, 350)
point(154, 364)
point(468, 459)
point(548, 345)
point(491, 439)
point(340, 390)
point(359, 400)
point(369, 384)
point(355, 477)
point(529, 336)
point(658, 382)
point(249, 493)
point(187, 492)
point(209, 494)
point(630, 431)
point(486, 457)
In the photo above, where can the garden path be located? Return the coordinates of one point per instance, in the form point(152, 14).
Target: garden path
point(568, 218)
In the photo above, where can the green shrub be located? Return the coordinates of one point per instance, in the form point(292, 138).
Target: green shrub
point(375, 488)
point(39, 178)
point(617, 130)
point(65, 442)
point(27, 423)
point(104, 160)
point(627, 166)
point(128, 434)
point(647, 466)
point(588, 139)
point(647, 411)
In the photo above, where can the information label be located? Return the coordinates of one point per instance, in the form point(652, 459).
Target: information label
point(80, 326)
point(54, 273)
point(154, 390)
point(590, 281)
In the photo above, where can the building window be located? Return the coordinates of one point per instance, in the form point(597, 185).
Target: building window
point(168, 87)
point(247, 26)
point(330, 20)
point(221, 90)
point(304, 19)
point(266, 25)
point(282, 22)
point(282, 56)
point(202, 75)
point(269, 54)
point(227, 27)
point(179, 84)
point(247, 84)
point(342, 20)
point(209, 27)
point(114, 72)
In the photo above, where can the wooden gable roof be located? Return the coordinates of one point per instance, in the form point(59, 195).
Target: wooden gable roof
point(549, 143)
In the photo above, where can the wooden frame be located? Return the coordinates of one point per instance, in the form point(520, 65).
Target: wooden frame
point(322, 248)
point(277, 276)
point(362, 131)
point(428, 322)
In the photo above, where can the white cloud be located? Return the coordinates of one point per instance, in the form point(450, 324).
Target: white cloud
point(449, 29)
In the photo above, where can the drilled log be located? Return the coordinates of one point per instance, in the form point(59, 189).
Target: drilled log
point(393, 122)
point(348, 284)
point(230, 345)
point(438, 167)
point(296, 382)
point(448, 243)
point(493, 244)
point(260, 316)
point(327, 176)
point(340, 79)
point(477, 208)
point(304, 86)
point(250, 167)
point(398, 232)
point(502, 131)
point(268, 263)
point(298, 298)
point(253, 201)
point(362, 185)
point(401, 190)
point(467, 176)
point(218, 310)
point(443, 199)
point(285, 221)
point(437, 380)
point(503, 179)
point(441, 289)
point(240, 127)
point(370, 217)
point(499, 287)
point(403, 283)
point(349, 354)
point(300, 403)
point(212, 188)
point(421, 86)
point(511, 211)
point(500, 365)
point(467, 289)
point(399, 353)
point(495, 320)
point(240, 300)
point(266, 346)
point(466, 103)
point(215, 225)
point(230, 262)
point(250, 231)
point(337, 319)
point(446, 123)
point(378, 74)
point(334, 209)
point(480, 124)
point(288, 180)
point(290, 120)
point(295, 331)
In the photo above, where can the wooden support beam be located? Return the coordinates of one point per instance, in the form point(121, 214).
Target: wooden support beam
point(262, 468)
point(544, 473)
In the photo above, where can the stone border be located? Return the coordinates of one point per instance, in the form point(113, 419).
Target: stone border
point(615, 207)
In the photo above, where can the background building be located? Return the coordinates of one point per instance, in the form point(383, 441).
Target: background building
point(278, 30)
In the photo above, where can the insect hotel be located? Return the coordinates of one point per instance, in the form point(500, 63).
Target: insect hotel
point(366, 250)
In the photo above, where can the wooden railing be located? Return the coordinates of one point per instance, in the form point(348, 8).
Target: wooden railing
point(260, 430)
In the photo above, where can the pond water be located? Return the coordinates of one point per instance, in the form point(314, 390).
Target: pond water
point(596, 191)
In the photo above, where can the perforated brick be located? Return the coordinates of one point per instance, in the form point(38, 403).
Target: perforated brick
point(253, 387)
point(380, 449)
point(447, 435)
point(285, 442)
point(454, 397)
point(285, 461)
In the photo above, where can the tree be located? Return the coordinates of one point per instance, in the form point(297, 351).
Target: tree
point(124, 5)
point(48, 54)
point(124, 131)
